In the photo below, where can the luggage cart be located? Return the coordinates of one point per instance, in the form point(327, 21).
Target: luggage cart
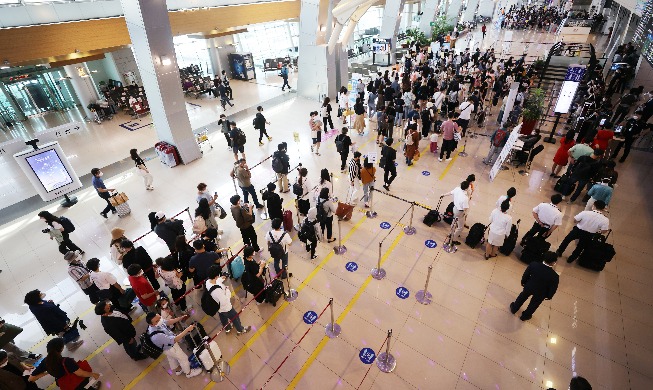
point(202, 136)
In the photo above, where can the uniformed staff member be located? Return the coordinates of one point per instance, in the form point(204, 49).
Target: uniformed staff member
point(547, 219)
point(588, 224)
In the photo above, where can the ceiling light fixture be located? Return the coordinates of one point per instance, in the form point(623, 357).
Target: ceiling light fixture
point(165, 61)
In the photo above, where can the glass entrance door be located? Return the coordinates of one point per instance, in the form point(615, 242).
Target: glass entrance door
point(30, 97)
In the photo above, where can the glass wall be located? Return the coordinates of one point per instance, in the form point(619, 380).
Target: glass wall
point(191, 51)
point(269, 40)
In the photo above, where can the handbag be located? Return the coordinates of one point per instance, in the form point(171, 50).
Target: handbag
point(223, 213)
point(457, 136)
point(344, 211)
point(118, 199)
point(70, 381)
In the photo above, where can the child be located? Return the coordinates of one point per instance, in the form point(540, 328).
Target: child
point(434, 142)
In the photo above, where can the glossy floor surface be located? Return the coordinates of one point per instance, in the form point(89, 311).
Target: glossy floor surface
point(597, 325)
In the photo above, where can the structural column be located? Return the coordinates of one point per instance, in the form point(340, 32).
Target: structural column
point(452, 11)
point(151, 36)
point(430, 9)
point(82, 83)
point(390, 24)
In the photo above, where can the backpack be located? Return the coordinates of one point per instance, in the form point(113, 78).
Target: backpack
point(499, 137)
point(339, 143)
point(304, 232)
point(277, 164)
point(255, 123)
point(297, 189)
point(148, 347)
point(409, 139)
point(321, 212)
point(67, 225)
point(453, 96)
point(199, 225)
point(209, 305)
point(240, 138)
point(275, 247)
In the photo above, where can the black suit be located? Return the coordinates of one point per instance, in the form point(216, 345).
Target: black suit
point(140, 256)
point(122, 331)
point(540, 281)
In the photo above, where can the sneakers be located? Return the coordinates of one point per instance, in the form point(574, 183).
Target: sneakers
point(449, 159)
point(245, 330)
point(314, 257)
point(72, 346)
point(513, 310)
point(456, 243)
point(439, 159)
point(386, 187)
point(104, 215)
point(260, 143)
point(150, 188)
point(194, 372)
point(269, 138)
point(228, 329)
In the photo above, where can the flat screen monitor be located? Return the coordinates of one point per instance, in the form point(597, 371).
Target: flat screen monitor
point(49, 171)
point(567, 93)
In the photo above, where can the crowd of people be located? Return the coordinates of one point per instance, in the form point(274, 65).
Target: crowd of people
point(542, 17)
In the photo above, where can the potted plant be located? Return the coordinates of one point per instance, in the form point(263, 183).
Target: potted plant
point(533, 110)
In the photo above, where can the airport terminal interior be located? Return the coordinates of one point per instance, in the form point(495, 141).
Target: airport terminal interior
point(393, 297)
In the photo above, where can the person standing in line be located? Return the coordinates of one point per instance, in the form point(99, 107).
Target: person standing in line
point(500, 226)
point(107, 284)
point(284, 75)
point(310, 231)
point(324, 182)
point(448, 128)
point(11, 374)
point(59, 366)
point(252, 278)
point(511, 193)
point(146, 294)
point(303, 200)
point(466, 109)
point(588, 223)
point(579, 150)
point(142, 169)
point(237, 141)
point(368, 176)
point(460, 209)
point(211, 199)
point(164, 338)
point(168, 229)
point(346, 142)
point(282, 175)
point(354, 168)
point(81, 275)
point(548, 218)
point(274, 204)
point(102, 191)
point(584, 170)
point(540, 282)
point(359, 122)
point(139, 256)
point(225, 128)
point(221, 294)
point(244, 217)
point(371, 103)
point(55, 223)
point(316, 132)
point(600, 191)
point(243, 176)
point(623, 106)
point(278, 236)
point(53, 320)
point(173, 276)
point(412, 143)
point(329, 209)
point(202, 260)
point(260, 123)
point(116, 251)
point(387, 162)
point(227, 87)
point(326, 114)
point(561, 158)
point(118, 325)
point(631, 130)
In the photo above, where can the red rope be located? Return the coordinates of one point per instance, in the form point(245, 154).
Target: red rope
point(370, 367)
point(264, 160)
point(295, 347)
point(176, 215)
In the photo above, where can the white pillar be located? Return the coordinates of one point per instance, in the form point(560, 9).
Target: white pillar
point(390, 24)
point(453, 10)
point(151, 36)
point(468, 14)
point(82, 83)
point(430, 9)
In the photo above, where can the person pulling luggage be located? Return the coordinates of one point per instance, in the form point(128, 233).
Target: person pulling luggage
point(588, 224)
point(547, 219)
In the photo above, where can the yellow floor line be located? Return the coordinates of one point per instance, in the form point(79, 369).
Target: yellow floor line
point(422, 153)
point(446, 170)
point(278, 312)
point(341, 317)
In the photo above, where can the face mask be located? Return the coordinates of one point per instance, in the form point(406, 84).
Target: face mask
point(160, 323)
point(101, 174)
point(164, 305)
point(4, 363)
point(42, 295)
point(140, 273)
point(111, 307)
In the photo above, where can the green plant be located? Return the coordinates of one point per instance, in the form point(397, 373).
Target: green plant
point(441, 25)
point(534, 105)
point(416, 35)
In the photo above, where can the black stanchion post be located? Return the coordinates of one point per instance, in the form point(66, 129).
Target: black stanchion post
point(551, 139)
point(332, 329)
point(424, 296)
point(339, 249)
point(378, 273)
point(386, 362)
point(410, 229)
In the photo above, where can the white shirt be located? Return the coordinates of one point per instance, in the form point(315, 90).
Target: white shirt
point(103, 280)
point(287, 240)
point(592, 221)
point(221, 294)
point(438, 97)
point(549, 214)
point(500, 223)
point(501, 199)
point(460, 199)
point(466, 109)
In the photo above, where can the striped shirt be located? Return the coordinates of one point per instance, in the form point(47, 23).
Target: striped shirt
point(77, 272)
point(354, 170)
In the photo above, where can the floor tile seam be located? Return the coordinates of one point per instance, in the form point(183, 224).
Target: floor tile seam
point(533, 381)
point(594, 326)
point(575, 343)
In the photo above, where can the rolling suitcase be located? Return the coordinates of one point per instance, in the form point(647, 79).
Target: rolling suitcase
point(204, 356)
point(597, 253)
point(194, 338)
point(448, 214)
point(534, 250)
point(433, 216)
point(511, 241)
point(123, 209)
point(475, 235)
point(287, 221)
point(274, 292)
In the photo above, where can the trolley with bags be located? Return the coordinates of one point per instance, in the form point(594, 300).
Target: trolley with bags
point(168, 154)
point(202, 137)
point(119, 201)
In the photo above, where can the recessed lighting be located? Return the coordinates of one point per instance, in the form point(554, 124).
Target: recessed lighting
point(553, 341)
point(549, 384)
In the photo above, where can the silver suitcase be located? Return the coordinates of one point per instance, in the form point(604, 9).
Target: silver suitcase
point(204, 356)
point(123, 209)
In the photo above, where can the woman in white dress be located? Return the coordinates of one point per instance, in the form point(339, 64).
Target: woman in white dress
point(500, 225)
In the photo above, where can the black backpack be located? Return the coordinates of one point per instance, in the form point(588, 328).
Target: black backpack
point(297, 189)
point(321, 212)
point(209, 305)
point(305, 233)
point(148, 347)
point(67, 225)
point(340, 144)
point(277, 164)
point(275, 247)
point(241, 138)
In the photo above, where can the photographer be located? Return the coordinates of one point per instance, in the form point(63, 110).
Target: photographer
point(58, 233)
point(244, 217)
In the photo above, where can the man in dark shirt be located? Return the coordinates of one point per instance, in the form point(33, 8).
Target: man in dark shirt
point(388, 157)
point(118, 325)
point(141, 257)
point(540, 282)
point(630, 132)
point(102, 191)
point(585, 169)
point(201, 261)
point(168, 229)
point(346, 143)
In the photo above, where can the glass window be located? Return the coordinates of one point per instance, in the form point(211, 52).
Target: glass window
point(269, 40)
point(192, 51)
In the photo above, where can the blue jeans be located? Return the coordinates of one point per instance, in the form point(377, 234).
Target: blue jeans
point(250, 190)
point(70, 335)
point(398, 118)
point(231, 315)
point(284, 264)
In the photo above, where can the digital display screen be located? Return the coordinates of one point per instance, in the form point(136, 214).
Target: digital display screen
point(567, 93)
point(643, 37)
point(49, 169)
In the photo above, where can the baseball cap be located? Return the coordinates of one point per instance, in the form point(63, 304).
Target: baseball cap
point(160, 215)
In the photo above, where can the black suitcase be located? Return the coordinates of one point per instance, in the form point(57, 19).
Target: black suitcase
point(534, 250)
point(565, 186)
point(511, 241)
point(274, 292)
point(475, 235)
point(433, 216)
point(448, 214)
point(597, 253)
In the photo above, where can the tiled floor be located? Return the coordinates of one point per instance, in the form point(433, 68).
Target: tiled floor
point(597, 325)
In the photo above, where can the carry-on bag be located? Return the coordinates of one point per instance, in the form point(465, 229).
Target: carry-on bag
point(123, 210)
point(597, 253)
point(287, 221)
point(448, 214)
point(204, 356)
point(511, 241)
point(565, 185)
point(534, 249)
point(274, 292)
point(475, 235)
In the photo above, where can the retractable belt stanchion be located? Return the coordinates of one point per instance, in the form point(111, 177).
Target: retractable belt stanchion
point(332, 329)
point(410, 229)
point(448, 245)
point(339, 249)
point(292, 294)
point(463, 153)
point(378, 273)
point(424, 296)
point(385, 361)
